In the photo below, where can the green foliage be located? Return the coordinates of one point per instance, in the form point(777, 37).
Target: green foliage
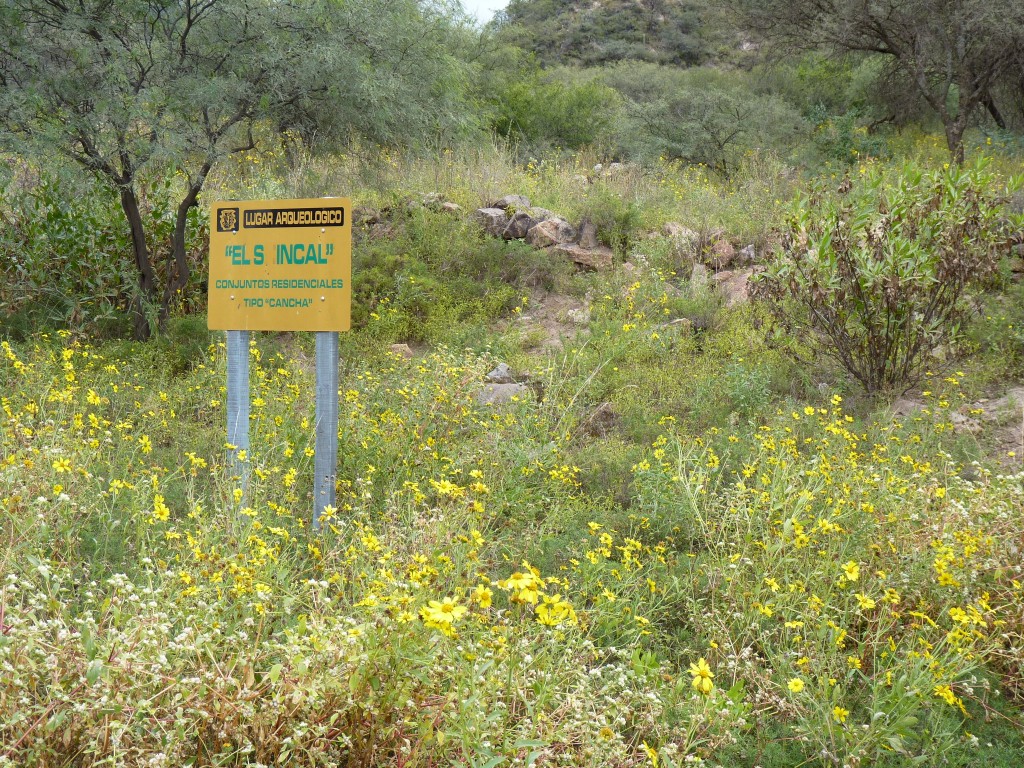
point(545, 112)
point(65, 255)
point(436, 276)
point(188, 342)
point(879, 274)
point(748, 387)
point(618, 220)
point(997, 334)
point(699, 116)
point(950, 55)
point(844, 138)
point(62, 255)
point(589, 33)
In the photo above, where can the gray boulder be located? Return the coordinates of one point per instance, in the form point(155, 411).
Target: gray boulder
point(500, 394)
point(553, 231)
point(590, 259)
point(402, 350)
point(723, 254)
point(519, 202)
point(493, 220)
point(501, 374)
point(734, 286)
point(587, 234)
point(677, 231)
point(518, 226)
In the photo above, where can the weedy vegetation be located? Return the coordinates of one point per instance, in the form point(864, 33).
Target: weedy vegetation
point(751, 563)
point(731, 523)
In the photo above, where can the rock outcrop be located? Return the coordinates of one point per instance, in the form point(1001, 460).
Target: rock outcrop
point(550, 232)
point(493, 220)
point(591, 259)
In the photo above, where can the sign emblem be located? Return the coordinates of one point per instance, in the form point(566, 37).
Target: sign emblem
point(227, 220)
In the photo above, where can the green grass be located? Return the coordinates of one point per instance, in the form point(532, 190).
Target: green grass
point(505, 585)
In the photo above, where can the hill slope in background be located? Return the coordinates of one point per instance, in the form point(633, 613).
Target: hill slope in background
point(592, 32)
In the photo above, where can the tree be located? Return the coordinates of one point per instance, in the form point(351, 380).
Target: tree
point(699, 116)
point(953, 52)
point(141, 87)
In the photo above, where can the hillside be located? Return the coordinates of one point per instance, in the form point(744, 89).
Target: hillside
point(602, 31)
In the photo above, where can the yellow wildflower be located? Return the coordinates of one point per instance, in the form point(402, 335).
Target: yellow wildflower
point(702, 676)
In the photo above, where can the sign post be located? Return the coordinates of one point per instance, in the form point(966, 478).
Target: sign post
point(326, 458)
point(283, 265)
point(238, 402)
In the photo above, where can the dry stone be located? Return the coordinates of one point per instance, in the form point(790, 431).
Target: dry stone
point(964, 424)
point(519, 202)
point(587, 234)
point(493, 220)
point(734, 286)
point(501, 374)
point(500, 394)
point(518, 226)
point(677, 231)
point(578, 316)
point(906, 406)
point(592, 259)
point(402, 350)
point(723, 254)
point(550, 232)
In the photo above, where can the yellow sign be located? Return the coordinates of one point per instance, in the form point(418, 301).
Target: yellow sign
point(281, 265)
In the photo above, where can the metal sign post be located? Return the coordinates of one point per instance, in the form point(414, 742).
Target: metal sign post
point(283, 265)
point(326, 459)
point(238, 404)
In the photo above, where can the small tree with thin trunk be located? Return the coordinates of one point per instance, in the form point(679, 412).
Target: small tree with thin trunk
point(953, 52)
point(133, 88)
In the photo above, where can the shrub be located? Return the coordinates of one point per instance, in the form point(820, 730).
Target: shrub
point(545, 112)
point(878, 276)
point(61, 250)
point(699, 116)
point(64, 250)
point(616, 218)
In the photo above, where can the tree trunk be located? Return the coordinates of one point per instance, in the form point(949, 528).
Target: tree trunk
point(955, 128)
point(180, 272)
point(993, 110)
point(147, 280)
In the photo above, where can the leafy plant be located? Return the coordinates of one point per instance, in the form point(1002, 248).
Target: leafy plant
point(545, 112)
point(878, 276)
point(617, 219)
